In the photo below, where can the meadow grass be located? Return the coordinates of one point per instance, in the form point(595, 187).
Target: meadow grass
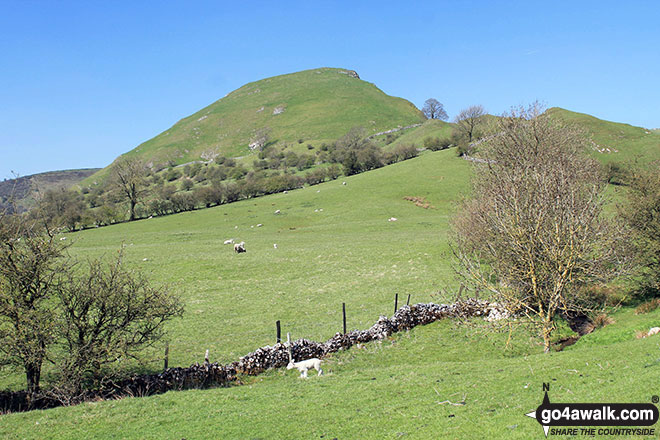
point(335, 245)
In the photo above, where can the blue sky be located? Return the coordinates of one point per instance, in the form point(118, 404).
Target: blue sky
point(82, 82)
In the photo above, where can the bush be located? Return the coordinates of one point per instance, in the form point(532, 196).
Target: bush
point(316, 176)
point(183, 202)
point(172, 174)
point(187, 184)
point(209, 195)
point(405, 152)
point(436, 144)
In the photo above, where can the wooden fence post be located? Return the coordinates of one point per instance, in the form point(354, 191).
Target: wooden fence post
point(396, 302)
point(279, 332)
point(408, 302)
point(206, 356)
point(343, 309)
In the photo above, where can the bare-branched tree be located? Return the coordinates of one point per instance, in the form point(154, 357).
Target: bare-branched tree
point(109, 314)
point(433, 109)
point(469, 119)
point(30, 265)
point(534, 233)
point(128, 177)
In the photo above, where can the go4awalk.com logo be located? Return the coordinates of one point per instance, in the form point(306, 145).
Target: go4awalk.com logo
point(596, 419)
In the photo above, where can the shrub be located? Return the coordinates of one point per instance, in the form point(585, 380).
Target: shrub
point(172, 174)
point(187, 184)
point(316, 176)
point(405, 152)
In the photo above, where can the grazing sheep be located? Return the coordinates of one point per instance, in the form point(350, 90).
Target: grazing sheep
point(277, 212)
point(259, 225)
point(392, 219)
point(239, 247)
point(230, 241)
point(275, 245)
point(303, 366)
point(653, 331)
point(343, 183)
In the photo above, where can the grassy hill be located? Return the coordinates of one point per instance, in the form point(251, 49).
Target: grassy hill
point(313, 105)
point(22, 189)
point(335, 245)
point(613, 141)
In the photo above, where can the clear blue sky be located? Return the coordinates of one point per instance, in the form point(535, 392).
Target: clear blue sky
point(82, 82)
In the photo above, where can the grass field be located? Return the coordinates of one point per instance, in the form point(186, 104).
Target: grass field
point(335, 245)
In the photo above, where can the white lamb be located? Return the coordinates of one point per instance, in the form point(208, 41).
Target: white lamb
point(303, 366)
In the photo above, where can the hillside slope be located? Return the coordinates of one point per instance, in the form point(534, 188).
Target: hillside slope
point(313, 105)
point(22, 189)
point(614, 141)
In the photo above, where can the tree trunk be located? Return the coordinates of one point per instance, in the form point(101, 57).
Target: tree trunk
point(133, 203)
point(33, 376)
point(547, 331)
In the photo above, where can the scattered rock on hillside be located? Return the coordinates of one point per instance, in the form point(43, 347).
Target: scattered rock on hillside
point(279, 109)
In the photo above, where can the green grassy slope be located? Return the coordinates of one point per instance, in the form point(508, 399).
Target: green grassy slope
point(335, 245)
point(632, 143)
point(345, 252)
point(318, 105)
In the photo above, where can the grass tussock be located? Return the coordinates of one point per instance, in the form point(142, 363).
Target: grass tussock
point(648, 306)
point(603, 320)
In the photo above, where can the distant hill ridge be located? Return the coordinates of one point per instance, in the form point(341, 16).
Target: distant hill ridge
point(22, 188)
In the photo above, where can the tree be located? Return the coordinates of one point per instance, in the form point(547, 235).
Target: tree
point(433, 109)
point(533, 234)
point(30, 266)
point(61, 207)
point(642, 213)
point(109, 313)
point(469, 119)
point(128, 177)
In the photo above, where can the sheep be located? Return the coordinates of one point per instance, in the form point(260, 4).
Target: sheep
point(259, 225)
point(230, 241)
point(277, 212)
point(653, 331)
point(275, 245)
point(239, 247)
point(392, 219)
point(303, 366)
